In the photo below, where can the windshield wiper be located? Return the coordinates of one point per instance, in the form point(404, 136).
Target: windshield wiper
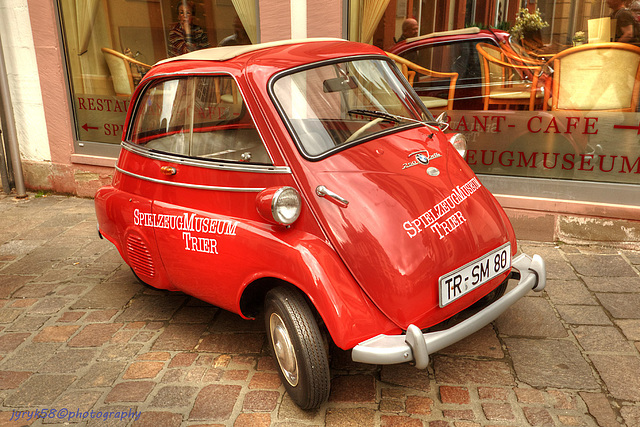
point(397, 119)
point(380, 114)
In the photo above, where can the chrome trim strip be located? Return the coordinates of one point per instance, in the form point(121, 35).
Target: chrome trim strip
point(208, 164)
point(184, 185)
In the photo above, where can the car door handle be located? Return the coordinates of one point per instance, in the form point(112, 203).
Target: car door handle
point(323, 191)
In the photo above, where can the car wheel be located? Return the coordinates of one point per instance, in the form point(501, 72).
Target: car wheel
point(142, 282)
point(297, 344)
point(494, 295)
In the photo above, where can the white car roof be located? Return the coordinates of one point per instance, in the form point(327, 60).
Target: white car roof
point(469, 30)
point(224, 53)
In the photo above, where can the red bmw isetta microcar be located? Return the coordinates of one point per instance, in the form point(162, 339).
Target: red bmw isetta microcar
point(306, 182)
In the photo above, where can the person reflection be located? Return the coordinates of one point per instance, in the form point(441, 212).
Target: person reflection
point(184, 35)
point(409, 29)
point(625, 22)
point(238, 37)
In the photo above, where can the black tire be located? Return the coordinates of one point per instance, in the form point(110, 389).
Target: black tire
point(297, 346)
point(493, 296)
point(142, 282)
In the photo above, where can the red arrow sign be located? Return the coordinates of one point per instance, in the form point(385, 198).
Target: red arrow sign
point(628, 127)
point(86, 127)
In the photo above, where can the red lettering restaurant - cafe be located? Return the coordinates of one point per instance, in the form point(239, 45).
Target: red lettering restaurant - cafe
point(564, 169)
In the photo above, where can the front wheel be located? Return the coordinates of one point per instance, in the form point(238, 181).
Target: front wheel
point(297, 345)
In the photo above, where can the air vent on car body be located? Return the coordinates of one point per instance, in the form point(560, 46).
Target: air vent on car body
point(139, 256)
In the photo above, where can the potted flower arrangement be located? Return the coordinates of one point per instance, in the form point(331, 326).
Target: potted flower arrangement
point(528, 26)
point(579, 38)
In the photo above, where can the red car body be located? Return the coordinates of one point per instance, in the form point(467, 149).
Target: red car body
point(381, 217)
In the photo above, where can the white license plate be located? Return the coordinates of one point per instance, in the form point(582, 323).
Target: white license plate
point(470, 276)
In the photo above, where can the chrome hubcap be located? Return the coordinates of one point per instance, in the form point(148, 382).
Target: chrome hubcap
point(283, 348)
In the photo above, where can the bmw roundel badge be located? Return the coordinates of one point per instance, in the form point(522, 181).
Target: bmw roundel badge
point(422, 158)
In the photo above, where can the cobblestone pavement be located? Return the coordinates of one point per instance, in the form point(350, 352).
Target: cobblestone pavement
point(80, 337)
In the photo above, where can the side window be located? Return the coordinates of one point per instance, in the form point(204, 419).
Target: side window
point(458, 57)
point(201, 117)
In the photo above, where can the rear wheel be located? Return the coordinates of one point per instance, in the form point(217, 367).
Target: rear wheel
point(142, 282)
point(297, 345)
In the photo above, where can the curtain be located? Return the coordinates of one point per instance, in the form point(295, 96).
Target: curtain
point(371, 13)
point(248, 14)
point(86, 12)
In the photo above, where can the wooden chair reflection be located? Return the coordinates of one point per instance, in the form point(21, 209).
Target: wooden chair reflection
point(120, 66)
point(520, 52)
point(518, 55)
point(502, 81)
point(602, 76)
point(226, 92)
point(410, 70)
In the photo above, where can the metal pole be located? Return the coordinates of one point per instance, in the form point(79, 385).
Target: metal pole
point(4, 176)
point(10, 131)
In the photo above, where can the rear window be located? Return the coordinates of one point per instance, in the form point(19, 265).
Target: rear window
point(202, 117)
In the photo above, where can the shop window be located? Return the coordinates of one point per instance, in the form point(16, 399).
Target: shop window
point(564, 98)
point(110, 45)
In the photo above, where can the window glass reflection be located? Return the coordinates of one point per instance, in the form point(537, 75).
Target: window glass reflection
point(110, 45)
point(200, 117)
point(534, 96)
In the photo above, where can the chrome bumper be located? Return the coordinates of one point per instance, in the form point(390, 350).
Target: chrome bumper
point(416, 346)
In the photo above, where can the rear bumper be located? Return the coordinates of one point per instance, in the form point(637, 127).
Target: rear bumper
point(416, 346)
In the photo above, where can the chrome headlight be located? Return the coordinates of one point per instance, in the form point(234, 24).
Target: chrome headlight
point(285, 206)
point(459, 142)
point(280, 205)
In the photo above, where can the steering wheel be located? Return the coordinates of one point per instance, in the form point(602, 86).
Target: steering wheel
point(362, 129)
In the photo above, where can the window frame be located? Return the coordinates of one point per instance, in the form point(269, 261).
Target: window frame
point(294, 135)
point(213, 163)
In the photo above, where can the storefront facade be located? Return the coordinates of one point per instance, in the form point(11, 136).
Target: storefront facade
point(561, 174)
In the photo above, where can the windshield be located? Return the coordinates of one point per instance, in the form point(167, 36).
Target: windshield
point(334, 105)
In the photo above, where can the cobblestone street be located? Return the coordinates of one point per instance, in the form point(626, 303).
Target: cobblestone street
point(81, 338)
